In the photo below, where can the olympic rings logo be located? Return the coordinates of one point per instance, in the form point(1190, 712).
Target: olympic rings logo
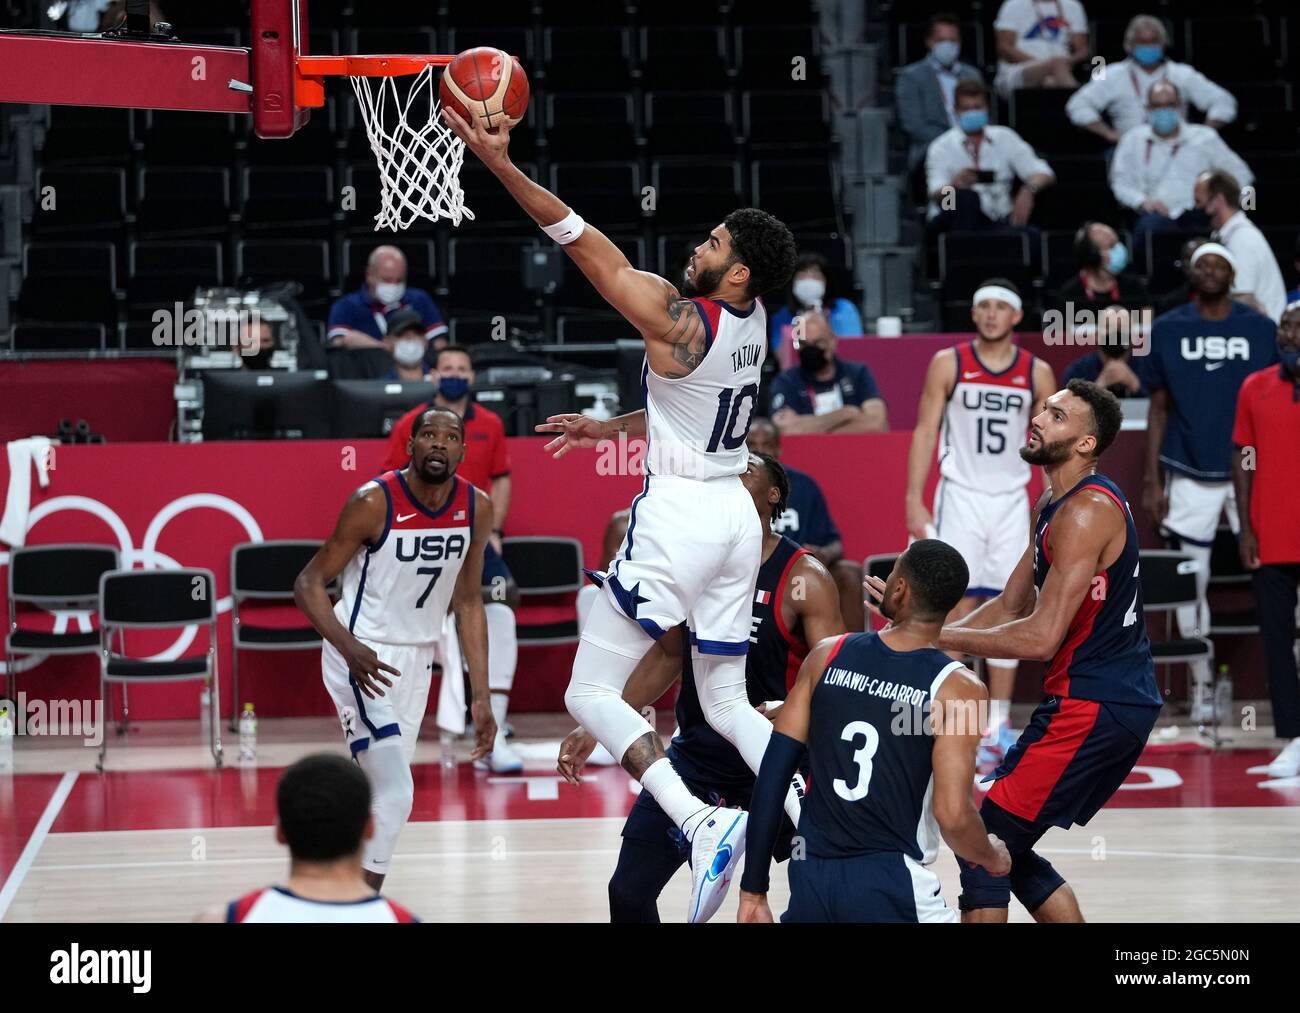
point(147, 557)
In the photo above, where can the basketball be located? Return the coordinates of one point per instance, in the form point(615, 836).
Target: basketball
point(487, 81)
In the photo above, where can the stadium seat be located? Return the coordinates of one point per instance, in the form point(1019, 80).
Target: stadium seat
point(599, 56)
point(69, 283)
point(695, 192)
point(991, 252)
point(690, 124)
point(589, 328)
point(88, 136)
point(39, 336)
point(591, 125)
point(306, 261)
point(685, 58)
point(1232, 50)
point(188, 202)
point(786, 120)
point(162, 273)
point(504, 35)
point(800, 192)
point(158, 599)
point(765, 54)
point(548, 572)
point(491, 203)
point(80, 204)
point(609, 192)
point(184, 139)
point(300, 199)
point(484, 274)
point(1167, 584)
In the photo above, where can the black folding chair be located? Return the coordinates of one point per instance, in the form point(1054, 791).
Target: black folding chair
point(1169, 583)
point(54, 577)
point(265, 571)
point(544, 566)
point(156, 599)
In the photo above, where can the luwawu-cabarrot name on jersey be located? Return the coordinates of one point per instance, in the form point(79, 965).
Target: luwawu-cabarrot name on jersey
point(875, 687)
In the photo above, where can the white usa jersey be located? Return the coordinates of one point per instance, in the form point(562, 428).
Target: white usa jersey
point(696, 425)
point(986, 422)
point(398, 590)
point(276, 904)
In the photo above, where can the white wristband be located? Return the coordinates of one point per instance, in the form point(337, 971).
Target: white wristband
point(567, 229)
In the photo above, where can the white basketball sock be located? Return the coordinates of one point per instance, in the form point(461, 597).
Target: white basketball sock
point(503, 646)
point(500, 704)
point(674, 798)
point(1194, 620)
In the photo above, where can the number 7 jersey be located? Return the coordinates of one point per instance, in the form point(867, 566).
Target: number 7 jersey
point(696, 424)
point(398, 590)
point(985, 423)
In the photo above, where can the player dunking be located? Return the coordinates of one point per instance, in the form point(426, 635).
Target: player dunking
point(1074, 601)
point(409, 546)
point(976, 404)
point(892, 726)
point(693, 545)
point(795, 603)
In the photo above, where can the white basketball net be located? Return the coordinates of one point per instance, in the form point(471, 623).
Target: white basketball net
point(419, 166)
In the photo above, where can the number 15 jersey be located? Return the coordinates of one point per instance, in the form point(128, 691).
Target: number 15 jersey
point(398, 590)
point(985, 423)
point(696, 424)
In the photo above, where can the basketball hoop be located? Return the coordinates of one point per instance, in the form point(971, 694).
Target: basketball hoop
point(418, 157)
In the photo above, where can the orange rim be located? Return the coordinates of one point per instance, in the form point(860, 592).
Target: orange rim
point(310, 71)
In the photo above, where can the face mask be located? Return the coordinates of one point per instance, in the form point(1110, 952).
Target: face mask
point(453, 388)
point(1149, 56)
point(946, 52)
point(809, 291)
point(1117, 258)
point(258, 360)
point(812, 358)
point(1164, 121)
point(408, 351)
point(1290, 360)
point(389, 292)
point(973, 120)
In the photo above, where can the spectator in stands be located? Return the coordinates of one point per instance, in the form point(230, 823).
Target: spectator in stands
point(1200, 355)
point(1119, 94)
point(256, 345)
point(1103, 277)
point(1181, 295)
point(1267, 483)
point(406, 342)
point(1156, 165)
point(360, 319)
point(969, 170)
point(1258, 280)
point(808, 521)
point(487, 466)
point(323, 816)
point(811, 291)
point(924, 91)
point(824, 394)
point(1109, 365)
point(1039, 43)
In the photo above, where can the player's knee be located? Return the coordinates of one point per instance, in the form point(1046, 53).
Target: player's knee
point(626, 900)
point(981, 889)
point(392, 787)
point(1033, 879)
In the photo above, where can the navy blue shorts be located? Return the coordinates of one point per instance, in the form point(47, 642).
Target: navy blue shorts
point(884, 886)
point(1070, 760)
point(494, 566)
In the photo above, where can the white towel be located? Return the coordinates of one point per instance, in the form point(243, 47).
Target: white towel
point(451, 694)
point(35, 450)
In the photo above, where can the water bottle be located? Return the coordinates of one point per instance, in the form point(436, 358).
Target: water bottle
point(205, 709)
point(6, 740)
point(248, 736)
point(1223, 694)
point(447, 750)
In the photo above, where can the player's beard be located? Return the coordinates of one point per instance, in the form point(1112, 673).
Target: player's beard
point(1046, 454)
point(703, 282)
point(433, 476)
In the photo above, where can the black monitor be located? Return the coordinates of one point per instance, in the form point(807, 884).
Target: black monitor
point(241, 404)
point(365, 409)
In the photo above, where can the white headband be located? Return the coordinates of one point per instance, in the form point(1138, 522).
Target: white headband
point(1218, 250)
point(996, 292)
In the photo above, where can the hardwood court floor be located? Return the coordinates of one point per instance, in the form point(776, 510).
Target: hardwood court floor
point(1194, 836)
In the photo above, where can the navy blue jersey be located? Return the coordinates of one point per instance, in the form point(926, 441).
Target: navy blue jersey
point(1106, 655)
point(870, 776)
point(806, 519)
point(1202, 364)
point(775, 653)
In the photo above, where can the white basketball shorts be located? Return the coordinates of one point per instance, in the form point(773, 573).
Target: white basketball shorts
point(399, 712)
point(692, 553)
point(1195, 507)
point(990, 530)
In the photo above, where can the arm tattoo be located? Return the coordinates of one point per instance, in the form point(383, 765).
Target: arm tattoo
point(686, 335)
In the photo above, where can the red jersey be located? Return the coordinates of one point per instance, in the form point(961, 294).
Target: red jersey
point(1268, 420)
point(486, 456)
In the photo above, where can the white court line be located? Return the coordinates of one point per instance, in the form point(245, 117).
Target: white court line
point(198, 863)
point(42, 829)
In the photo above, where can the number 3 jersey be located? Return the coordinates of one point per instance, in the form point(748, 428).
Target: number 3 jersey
point(870, 778)
point(696, 425)
point(985, 423)
point(398, 590)
point(1105, 655)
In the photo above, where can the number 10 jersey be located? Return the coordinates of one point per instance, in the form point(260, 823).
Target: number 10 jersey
point(398, 590)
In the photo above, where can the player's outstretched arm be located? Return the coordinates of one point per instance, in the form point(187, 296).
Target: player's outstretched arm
point(471, 624)
point(1080, 532)
point(668, 322)
point(780, 761)
point(956, 717)
point(939, 380)
point(583, 432)
point(360, 523)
